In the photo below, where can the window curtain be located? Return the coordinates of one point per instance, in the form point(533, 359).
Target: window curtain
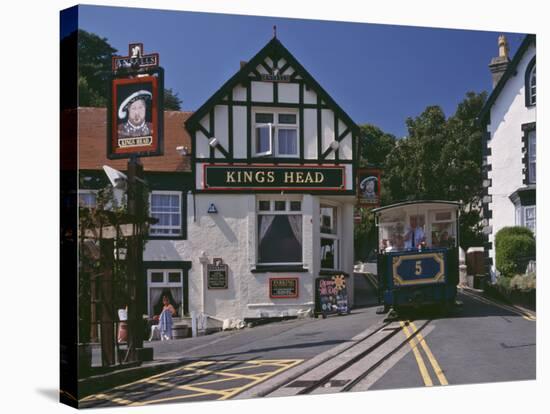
point(154, 298)
point(177, 295)
point(265, 224)
point(296, 226)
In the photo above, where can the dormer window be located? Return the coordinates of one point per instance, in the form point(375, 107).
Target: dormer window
point(531, 84)
point(276, 134)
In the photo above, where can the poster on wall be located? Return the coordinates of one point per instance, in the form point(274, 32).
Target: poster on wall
point(368, 187)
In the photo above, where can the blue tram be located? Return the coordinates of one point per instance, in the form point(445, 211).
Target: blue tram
point(417, 253)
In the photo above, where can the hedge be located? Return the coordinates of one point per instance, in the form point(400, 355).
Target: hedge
point(514, 249)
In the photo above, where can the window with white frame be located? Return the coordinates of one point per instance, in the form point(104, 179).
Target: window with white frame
point(533, 86)
point(165, 206)
point(275, 134)
point(87, 198)
point(279, 232)
point(329, 237)
point(164, 282)
point(532, 156)
point(526, 216)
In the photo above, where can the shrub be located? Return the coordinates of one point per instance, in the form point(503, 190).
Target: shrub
point(525, 283)
point(511, 231)
point(504, 283)
point(513, 252)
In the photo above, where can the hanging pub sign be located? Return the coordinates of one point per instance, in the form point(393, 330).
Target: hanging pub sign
point(135, 113)
point(368, 187)
point(272, 177)
point(135, 60)
point(283, 287)
point(217, 274)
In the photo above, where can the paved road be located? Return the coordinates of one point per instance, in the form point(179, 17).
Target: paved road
point(478, 342)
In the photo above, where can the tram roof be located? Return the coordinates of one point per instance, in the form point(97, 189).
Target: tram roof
point(413, 202)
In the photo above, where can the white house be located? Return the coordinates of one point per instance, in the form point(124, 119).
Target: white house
point(509, 144)
point(273, 161)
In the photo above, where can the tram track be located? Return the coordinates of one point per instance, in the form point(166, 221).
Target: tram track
point(334, 375)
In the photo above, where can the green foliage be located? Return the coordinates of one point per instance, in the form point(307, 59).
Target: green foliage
point(441, 160)
point(511, 231)
point(171, 100)
point(94, 72)
point(374, 145)
point(94, 69)
point(514, 252)
point(503, 282)
point(524, 283)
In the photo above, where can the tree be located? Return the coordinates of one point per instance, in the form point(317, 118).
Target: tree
point(171, 100)
point(374, 147)
point(441, 159)
point(94, 71)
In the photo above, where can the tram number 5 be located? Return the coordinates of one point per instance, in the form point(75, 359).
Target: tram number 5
point(418, 268)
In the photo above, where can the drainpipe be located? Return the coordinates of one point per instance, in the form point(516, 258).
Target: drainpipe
point(203, 259)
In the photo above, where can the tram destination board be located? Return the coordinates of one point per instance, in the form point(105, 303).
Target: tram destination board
point(217, 275)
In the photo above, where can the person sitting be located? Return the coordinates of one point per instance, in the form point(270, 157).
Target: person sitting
point(164, 326)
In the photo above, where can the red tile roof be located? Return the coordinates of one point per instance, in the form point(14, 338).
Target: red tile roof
point(92, 143)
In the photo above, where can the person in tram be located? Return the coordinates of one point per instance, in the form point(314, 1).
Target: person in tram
point(414, 236)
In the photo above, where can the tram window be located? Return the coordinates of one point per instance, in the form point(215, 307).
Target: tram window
point(443, 235)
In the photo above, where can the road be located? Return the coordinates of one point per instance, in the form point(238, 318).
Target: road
point(480, 341)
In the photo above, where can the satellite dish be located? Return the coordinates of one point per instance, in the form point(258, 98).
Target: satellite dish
point(117, 178)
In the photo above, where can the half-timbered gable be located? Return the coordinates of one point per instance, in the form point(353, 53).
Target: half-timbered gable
point(272, 111)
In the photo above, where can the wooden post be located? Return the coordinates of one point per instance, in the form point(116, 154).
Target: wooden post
point(106, 303)
point(135, 260)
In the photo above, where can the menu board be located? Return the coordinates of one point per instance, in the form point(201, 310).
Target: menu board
point(217, 275)
point(283, 287)
point(331, 295)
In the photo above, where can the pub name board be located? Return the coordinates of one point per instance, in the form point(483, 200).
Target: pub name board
point(267, 177)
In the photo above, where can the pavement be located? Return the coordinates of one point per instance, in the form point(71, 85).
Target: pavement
point(481, 341)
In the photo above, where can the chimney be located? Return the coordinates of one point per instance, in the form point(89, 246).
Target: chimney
point(500, 63)
point(243, 63)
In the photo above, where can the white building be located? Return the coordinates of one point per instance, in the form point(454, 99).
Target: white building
point(274, 161)
point(509, 145)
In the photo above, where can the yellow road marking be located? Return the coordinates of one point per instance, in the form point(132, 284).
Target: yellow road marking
point(523, 313)
point(421, 366)
point(437, 369)
point(224, 394)
point(117, 400)
point(291, 363)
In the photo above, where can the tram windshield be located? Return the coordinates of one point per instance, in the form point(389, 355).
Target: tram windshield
point(417, 226)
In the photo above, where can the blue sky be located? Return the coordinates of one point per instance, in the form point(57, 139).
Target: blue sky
point(380, 74)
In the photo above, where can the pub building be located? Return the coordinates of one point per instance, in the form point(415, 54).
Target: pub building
point(271, 211)
point(254, 195)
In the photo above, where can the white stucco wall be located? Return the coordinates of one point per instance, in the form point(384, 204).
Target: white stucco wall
point(508, 113)
point(231, 234)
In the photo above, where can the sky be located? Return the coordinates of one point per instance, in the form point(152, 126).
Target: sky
point(379, 74)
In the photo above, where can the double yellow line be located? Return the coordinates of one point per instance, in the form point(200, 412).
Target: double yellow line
point(415, 338)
